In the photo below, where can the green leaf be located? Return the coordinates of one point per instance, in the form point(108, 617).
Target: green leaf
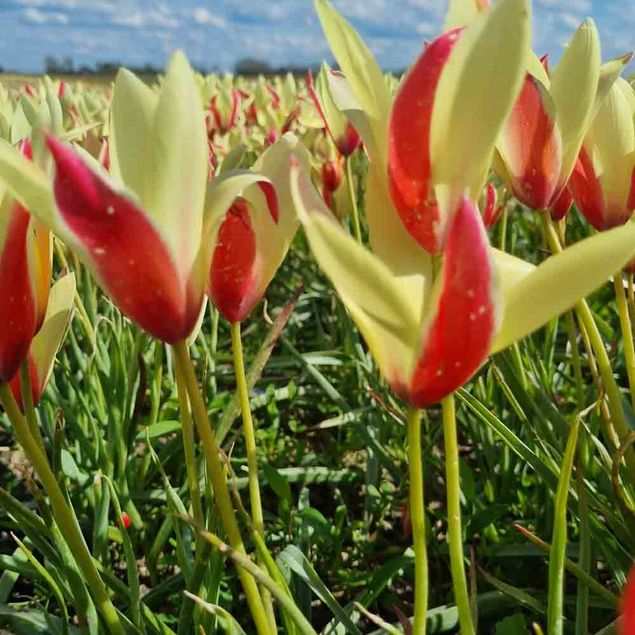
point(298, 563)
point(557, 554)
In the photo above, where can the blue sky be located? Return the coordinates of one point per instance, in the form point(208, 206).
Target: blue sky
point(219, 32)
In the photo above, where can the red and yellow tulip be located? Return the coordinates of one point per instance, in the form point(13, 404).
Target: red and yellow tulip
point(25, 274)
point(602, 183)
point(254, 236)
point(430, 329)
point(144, 230)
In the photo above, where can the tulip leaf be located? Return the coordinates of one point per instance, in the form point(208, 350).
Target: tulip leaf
point(476, 91)
point(561, 281)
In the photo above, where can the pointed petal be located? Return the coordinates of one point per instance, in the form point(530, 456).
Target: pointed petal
point(409, 167)
point(47, 342)
point(458, 335)
point(123, 249)
point(361, 70)
point(180, 164)
point(18, 310)
point(476, 91)
point(375, 299)
point(574, 86)
point(27, 182)
point(531, 147)
point(462, 12)
point(561, 281)
point(133, 109)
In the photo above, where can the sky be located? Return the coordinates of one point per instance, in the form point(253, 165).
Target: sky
point(217, 33)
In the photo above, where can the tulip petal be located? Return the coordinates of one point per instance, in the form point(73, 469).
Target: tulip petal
point(458, 333)
point(609, 74)
point(510, 270)
point(180, 164)
point(574, 85)
point(561, 281)
point(627, 605)
point(134, 106)
point(123, 249)
point(47, 342)
point(476, 91)
point(531, 147)
point(409, 167)
point(462, 12)
point(374, 297)
point(360, 69)
point(18, 308)
point(27, 182)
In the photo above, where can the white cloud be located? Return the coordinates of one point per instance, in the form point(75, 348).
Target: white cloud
point(204, 17)
point(35, 16)
point(145, 19)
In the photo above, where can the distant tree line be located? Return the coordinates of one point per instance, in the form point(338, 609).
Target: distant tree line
point(250, 66)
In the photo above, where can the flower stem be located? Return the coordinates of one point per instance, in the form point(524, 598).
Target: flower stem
point(248, 430)
point(29, 407)
point(189, 452)
point(252, 460)
point(417, 516)
point(585, 317)
point(627, 332)
point(357, 228)
point(455, 533)
point(64, 516)
point(219, 483)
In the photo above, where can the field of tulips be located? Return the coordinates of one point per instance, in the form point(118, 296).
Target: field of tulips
point(346, 353)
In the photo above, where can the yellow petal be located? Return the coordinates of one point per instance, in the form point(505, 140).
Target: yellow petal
point(462, 12)
point(561, 281)
point(382, 311)
point(180, 163)
point(360, 69)
point(574, 86)
point(476, 91)
point(58, 317)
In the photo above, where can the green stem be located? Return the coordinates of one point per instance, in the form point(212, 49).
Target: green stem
point(64, 516)
point(189, 452)
point(357, 228)
point(585, 316)
point(29, 407)
point(417, 517)
point(627, 332)
point(249, 434)
point(455, 533)
point(248, 430)
point(219, 483)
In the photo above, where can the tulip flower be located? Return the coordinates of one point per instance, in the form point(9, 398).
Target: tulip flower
point(543, 135)
point(491, 211)
point(602, 183)
point(627, 626)
point(342, 132)
point(25, 272)
point(144, 230)
point(224, 110)
point(254, 236)
point(332, 174)
point(46, 343)
point(429, 334)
